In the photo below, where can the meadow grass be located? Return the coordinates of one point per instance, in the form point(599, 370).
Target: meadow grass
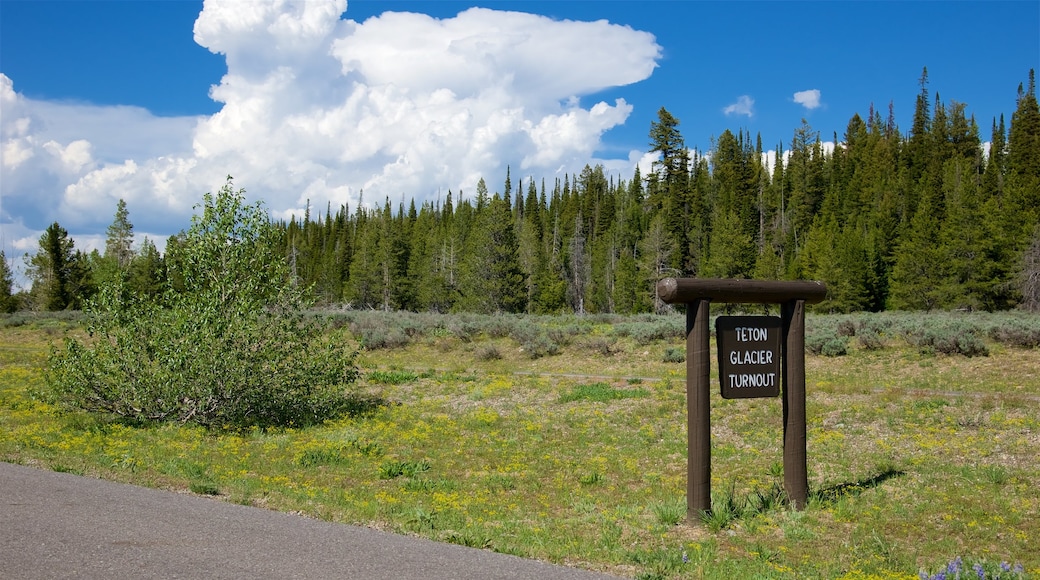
point(915, 457)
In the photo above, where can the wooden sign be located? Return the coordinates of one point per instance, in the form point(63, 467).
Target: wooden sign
point(749, 356)
point(792, 296)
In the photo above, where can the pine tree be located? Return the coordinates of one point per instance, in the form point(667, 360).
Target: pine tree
point(732, 250)
point(530, 248)
point(668, 186)
point(804, 185)
point(917, 273)
point(147, 271)
point(967, 275)
point(8, 303)
point(492, 278)
point(51, 270)
point(1023, 162)
point(120, 238)
point(993, 175)
point(365, 287)
point(654, 250)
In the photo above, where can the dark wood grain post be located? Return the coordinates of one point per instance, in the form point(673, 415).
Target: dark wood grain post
point(698, 409)
point(796, 479)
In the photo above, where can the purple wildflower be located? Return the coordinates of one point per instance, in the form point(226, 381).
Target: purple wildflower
point(980, 571)
point(1005, 566)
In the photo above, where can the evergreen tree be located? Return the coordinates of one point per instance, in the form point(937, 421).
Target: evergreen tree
point(668, 186)
point(120, 238)
point(1022, 181)
point(8, 303)
point(732, 250)
point(492, 278)
point(966, 275)
point(1023, 158)
point(531, 250)
point(993, 176)
point(919, 145)
point(666, 140)
point(804, 185)
point(654, 250)
point(60, 274)
point(917, 273)
point(364, 289)
point(147, 272)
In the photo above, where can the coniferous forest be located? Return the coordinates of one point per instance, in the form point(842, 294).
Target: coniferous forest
point(934, 216)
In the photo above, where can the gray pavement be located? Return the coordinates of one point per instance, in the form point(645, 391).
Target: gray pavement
point(58, 525)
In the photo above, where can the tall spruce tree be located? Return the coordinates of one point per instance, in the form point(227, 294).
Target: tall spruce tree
point(148, 271)
point(61, 275)
point(8, 303)
point(668, 186)
point(119, 239)
point(492, 278)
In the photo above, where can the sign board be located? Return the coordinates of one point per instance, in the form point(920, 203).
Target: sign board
point(749, 356)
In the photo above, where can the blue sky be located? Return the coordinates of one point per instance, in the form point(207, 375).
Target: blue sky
point(137, 100)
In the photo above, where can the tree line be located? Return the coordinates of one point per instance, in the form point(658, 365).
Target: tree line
point(930, 218)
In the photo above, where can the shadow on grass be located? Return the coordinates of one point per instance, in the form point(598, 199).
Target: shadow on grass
point(727, 507)
point(835, 493)
point(364, 405)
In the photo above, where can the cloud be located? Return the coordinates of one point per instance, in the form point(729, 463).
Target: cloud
point(809, 99)
point(319, 109)
point(745, 105)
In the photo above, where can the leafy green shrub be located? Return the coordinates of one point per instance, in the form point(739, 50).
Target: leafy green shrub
point(563, 335)
point(601, 344)
point(539, 345)
point(500, 326)
point(846, 327)
point(13, 320)
point(827, 343)
point(1017, 333)
point(227, 344)
point(948, 338)
point(463, 328)
point(869, 339)
point(488, 352)
point(674, 354)
point(375, 334)
point(837, 346)
point(653, 330)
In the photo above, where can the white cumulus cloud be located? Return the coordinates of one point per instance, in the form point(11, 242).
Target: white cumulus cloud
point(745, 105)
point(316, 108)
point(809, 99)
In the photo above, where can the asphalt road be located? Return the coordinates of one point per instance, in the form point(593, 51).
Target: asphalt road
point(58, 525)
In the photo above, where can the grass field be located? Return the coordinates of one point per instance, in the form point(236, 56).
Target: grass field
point(565, 440)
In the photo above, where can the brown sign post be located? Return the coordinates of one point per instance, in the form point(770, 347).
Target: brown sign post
point(749, 367)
